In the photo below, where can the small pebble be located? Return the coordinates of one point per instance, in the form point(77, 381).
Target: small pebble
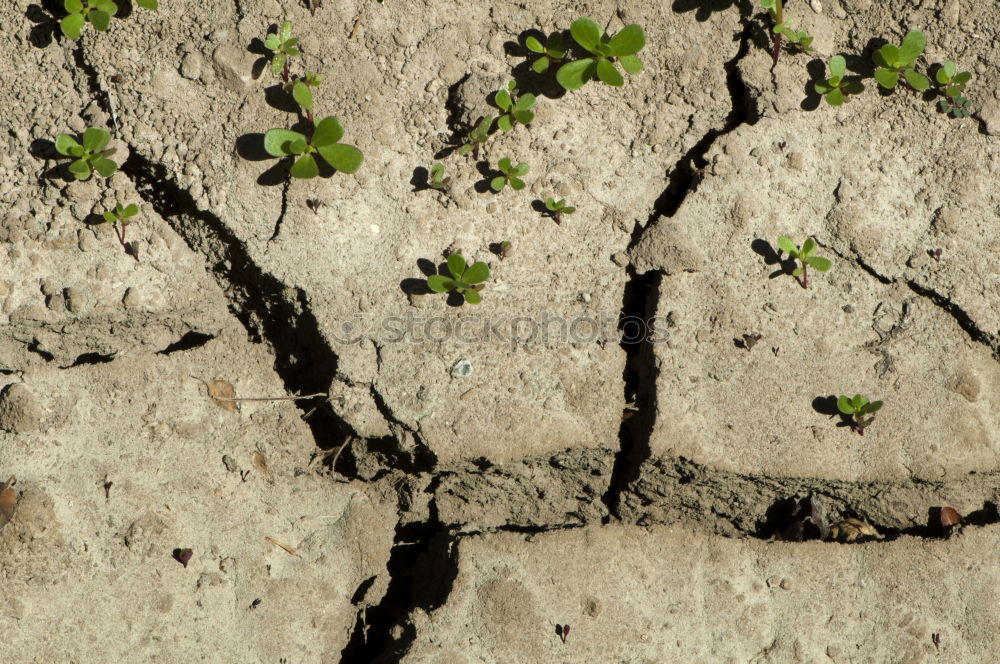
point(461, 369)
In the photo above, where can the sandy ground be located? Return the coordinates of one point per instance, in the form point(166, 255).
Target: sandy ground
point(471, 477)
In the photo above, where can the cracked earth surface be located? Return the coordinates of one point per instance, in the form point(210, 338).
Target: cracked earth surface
point(631, 490)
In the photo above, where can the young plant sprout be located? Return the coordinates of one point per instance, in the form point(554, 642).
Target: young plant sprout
point(282, 46)
point(89, 153)
point(119, 218)
point(860, 408)
point(465, 279)
point(476, 137)
point(437, 180)
point(605, 51)
point(513, 108)
point(796, 40)
point(805, 256)
point(836, 89)
point(505, 249)
point(551, 50)
point(96, 12)
point(324, 141)
point(951, 84)
point(511, 175)
point(558, 208)
point(895, 61)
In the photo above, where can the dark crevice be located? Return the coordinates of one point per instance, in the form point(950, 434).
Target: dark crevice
point(422, 460)
point(977, 334)
point(189, 341)
point(284, 209)
point(33, 348)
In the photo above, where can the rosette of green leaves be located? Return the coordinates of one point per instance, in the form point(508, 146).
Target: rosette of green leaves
point(513, 108)
point(121, 213)
point(894, 61)
point(96, 12)
point(805, 256)
point(860, 408)
point(282, 46)
point(837, 88)
point(557, 208)
point(465, 279)
point(551, 50)
point(324, 142)
point(951, 83)
point(606, 51)
point(89, 153)
point(511, 175)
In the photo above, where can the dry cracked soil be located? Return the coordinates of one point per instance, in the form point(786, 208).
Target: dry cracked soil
point(629, 452)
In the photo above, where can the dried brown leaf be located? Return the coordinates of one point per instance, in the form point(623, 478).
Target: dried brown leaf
point(8, 501)
point(852, 530)
point(260, 463)
point(219, 391)
point(950, 517)
point(281, 545)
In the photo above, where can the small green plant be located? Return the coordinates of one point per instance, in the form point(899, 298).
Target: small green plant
point(513, 108)
point(89, 153)
point(860, 408)
point(558, 208)
point(951, 84)
point(795, 40)
point(282, 46)
point(465, 279)
point(437, 179)
point(119, 218)
point(805, 256)
point(79, 12)
point(551, 50)
point(511, 175)
point(324, 141)
point(837, 88)
point(894, 61)
point(606, 51)
point(504, 249)
point(476, 137)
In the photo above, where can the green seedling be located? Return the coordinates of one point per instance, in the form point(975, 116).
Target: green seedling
point(511, 175)
point(606, 51)
point(860, 408)
point(805, 256)
point(282, 46)
point(956, 107)
point(465, 279)
point(951, 84)
point(558, 208)
point(476, 137)
point(894, 61)
point(301, 89)
point(96, 12)
point(551, 50)
point(513, 108)
point(836, 89)
point(89, 153)
point(437, 179)
point(505, 249)
point(119, 218)
point(324, 141)
point(796, 40)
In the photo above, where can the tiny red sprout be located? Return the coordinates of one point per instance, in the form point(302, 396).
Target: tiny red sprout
point(935, 254)
point(183, 556)
point(565, 632)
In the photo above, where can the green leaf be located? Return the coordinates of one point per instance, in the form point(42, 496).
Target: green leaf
point(147, 4)
point(844, 405)
point(497, 183)
point(456, 265)
point(437, 172)
point(465, 149)
point(80, 169)
point(328, 131)
point(132, 209)
point(568, 210)
point(609, 74)
point(100, 19)
point(630, 63)
point(858, 401)
point(285, 31)
point(821, 264)
point(73, 6)
point(873, 407)
point(477, 273)
point(573, 75)
point(105, 166)
point(853, 87)
point(524, 117)
point(553, 205)
point(917, 81)
point(271, 42)
point(887, 56)
point(798, 272)
point(304, 167)
point(835, 97)
point(110, 217)
point(786, 245)
point(504, 123)
point(472, 297)
point(886, 78)
point(502, 100)
point(586, 33)
point(520, 169)
point(534, 45)
point(912, 47)
point(278, 63)
point(629, 41)
point(767, 4)
point(516, 183)
point(504, 165)
point(525, 102)
point(95, 139)
point(345, 158)
point(439, 283)
point(302, 95)
point(808, 246)
point(838, 65)
point(277, 141)
point(64, 142)
point(72, 25)
point(962, 78)
point(541, 65)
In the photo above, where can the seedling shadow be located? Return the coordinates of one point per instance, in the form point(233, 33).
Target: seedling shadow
point(251, 148)
point(256, 46)
point(421, 179)
point(277, 98)
point(412, 286)
point(43, 149)
point(483, 186)
point(772, 257)
point(46, 22)
point(704, 8)
point(828, 406)
point(816, 69)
